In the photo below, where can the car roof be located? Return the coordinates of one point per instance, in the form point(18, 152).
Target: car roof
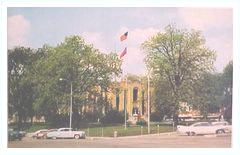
point(200, 123)
point(219, 122)
point(64, 128)
point(41, 130)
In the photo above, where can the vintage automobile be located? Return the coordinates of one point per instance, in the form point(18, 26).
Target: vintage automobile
point(23, 133)
point(42, 134)
point(14, 135)
point(39, 133)
point(66, 133)
point(227, 127)
point(202, 128)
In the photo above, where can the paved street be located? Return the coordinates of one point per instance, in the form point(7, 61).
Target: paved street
point(146, 141)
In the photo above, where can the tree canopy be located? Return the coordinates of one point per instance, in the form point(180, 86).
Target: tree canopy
point(178, 57)
point(89, 70)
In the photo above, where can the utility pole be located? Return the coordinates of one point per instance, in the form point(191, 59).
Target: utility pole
point(125, 104)
point(148, 86)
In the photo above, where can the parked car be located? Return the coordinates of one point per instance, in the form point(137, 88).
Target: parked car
point(66, 133)
point(23, 133)
point(225, 125)
point(201, 128)
point(14, 135)
point(168, 121)
point(40, 134)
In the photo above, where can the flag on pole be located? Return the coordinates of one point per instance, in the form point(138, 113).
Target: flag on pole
point(123, 52)
point(124, 36)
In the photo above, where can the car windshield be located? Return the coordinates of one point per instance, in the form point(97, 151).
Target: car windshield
point(219, 123)
point(65, 130)
point(201, 124)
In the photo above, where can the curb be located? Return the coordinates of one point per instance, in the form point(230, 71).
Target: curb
point(219, 135)
point(136, 136)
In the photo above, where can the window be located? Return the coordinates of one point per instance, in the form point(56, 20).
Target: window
point(117, 102)
point(202, 124)
point(143, 102)
point(117, 99)
point(66, 130)
point(135, 94)
point(219, 123)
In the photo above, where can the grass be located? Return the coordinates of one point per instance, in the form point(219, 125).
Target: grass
point(108, 130)
point(130, 131)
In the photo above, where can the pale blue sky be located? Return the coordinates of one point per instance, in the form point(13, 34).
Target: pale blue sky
point(102, 27)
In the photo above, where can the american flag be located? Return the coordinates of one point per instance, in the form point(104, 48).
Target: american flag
point(123, 52)
point(124, 36)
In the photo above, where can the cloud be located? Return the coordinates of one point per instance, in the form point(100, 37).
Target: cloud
point(96, 39)
point(133, 61)
point(18, 29)
point(203, 18)
point(139, 35)
point(224, 50)
point(217, 27)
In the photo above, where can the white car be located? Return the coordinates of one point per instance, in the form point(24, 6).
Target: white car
point(225, 125)
point(201, 128)
point(66, 133)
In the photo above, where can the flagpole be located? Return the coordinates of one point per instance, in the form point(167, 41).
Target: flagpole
point(125, 109)
point(122, 38)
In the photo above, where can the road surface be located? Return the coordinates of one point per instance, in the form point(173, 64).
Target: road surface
point(146, 141)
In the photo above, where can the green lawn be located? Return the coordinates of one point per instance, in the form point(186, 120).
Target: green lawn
point(108, 131)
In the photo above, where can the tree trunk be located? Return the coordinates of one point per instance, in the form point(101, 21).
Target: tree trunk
point(175, 116)
point(106, 103)
point(31, 120)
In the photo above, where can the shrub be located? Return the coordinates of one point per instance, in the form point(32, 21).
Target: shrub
point(141, 122)
point(113, 116)
point(156, 117)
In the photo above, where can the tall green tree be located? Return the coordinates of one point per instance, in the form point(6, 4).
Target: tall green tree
point(208, 93)
point(227, 83)
point(179, 57)
point(162, 99)
point(89, 70)
point(20, 90)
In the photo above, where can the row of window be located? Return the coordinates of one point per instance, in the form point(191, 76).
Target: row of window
point(134, 99)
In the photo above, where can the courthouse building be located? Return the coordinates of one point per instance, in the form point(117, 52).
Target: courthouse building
point(133, 94)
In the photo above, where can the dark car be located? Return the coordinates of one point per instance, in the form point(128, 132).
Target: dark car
point(14, 135)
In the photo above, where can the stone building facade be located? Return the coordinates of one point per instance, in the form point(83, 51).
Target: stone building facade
point(131, 93)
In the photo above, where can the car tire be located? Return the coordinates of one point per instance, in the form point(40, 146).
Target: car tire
point(54, 137)
point(192, 133)
point(83, 136)
point(44, 137)
point(77, 136)
point(221, 131)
